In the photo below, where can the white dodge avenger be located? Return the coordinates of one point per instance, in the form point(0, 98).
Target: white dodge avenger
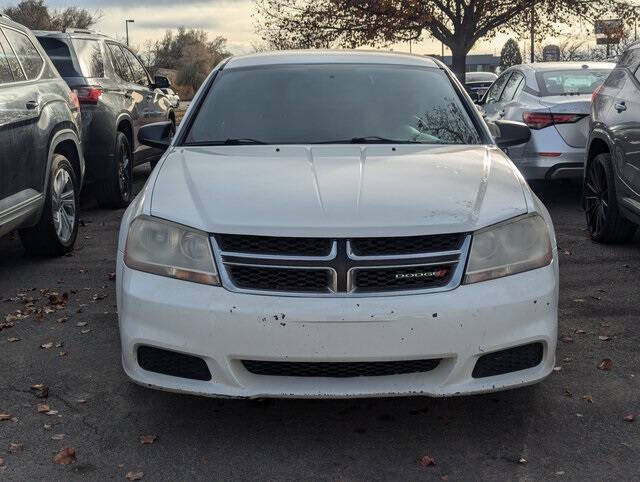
point(336, 224)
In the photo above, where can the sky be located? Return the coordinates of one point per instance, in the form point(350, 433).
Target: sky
point(231, 19)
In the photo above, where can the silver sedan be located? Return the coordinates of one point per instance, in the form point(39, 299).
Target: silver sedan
point(554, 100)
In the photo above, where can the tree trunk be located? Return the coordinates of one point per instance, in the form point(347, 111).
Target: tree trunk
point(459, 62)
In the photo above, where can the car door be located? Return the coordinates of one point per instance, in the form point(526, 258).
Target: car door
point(152, 99)
point(627, 106)
point(491, 103)
point(511, 108)
point(21, 167)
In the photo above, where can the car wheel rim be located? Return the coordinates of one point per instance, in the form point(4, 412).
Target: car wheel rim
point(596, 197)
point(63, 202)
point(124, 172)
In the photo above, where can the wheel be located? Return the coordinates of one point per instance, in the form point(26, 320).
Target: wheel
point(56, 232)
point(171, 134)
point(604, 220)
point(116, 190)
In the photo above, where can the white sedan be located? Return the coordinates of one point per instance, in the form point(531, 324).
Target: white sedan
point(336, 224)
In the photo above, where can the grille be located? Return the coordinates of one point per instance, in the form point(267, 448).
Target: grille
point(340, 369)
point(333, 267)
point(280, 279)
point(392, 279)
point(406, 245)
point(273, 245)
point(172, 363)
point(507, 361)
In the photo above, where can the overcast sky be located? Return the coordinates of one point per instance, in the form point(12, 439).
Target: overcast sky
point(229, 18)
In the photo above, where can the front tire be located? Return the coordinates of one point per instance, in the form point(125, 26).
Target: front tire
point(606, 223)
point(56, 232)
point(116, 191)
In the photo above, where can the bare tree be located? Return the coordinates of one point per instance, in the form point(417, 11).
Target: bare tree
point(459, 24)
point(36, 15)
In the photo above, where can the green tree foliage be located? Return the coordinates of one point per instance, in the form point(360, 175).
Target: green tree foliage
point(510, 54)
point(36, 15)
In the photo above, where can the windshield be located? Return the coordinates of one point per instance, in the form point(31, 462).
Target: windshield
point(332, 103)
point(571, 82)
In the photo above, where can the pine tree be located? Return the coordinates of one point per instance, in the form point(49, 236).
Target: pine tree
point(510, 54)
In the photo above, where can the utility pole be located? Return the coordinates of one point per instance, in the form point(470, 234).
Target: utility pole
point(126, 27)
point(533, 30)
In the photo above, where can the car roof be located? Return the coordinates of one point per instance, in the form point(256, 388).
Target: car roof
point(285, 57)
point(6, 20)
point(550, 66)
point(71, 33)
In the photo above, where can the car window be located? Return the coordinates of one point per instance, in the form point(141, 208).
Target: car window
point(493, 94)
point(513, 87)
point(616, 79)
point(59, 53)
point(140, 76)
point(630, 59)
point(120, 63)
point(571, 82)
point(333, 103)
point(6, 72)
point(89, 56)
point(27, 53)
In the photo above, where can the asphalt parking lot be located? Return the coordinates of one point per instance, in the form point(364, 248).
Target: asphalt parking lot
point(572, 426)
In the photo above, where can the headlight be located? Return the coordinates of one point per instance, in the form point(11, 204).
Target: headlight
point(168, 249)
point(521, 244)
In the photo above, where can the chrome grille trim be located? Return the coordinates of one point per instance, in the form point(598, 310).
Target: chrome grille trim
point(457, 259)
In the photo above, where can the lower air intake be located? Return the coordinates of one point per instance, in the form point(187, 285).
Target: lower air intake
point(507, 361)
point(339, 370)
point(172, 363)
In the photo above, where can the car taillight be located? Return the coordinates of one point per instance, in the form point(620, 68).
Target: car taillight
point(540, 120)
point(73, 98)
point(595, 93)
point(88, 95)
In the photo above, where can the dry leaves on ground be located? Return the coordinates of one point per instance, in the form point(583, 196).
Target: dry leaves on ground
point(66, 456)
point(605, 364)
point(147, 439)
point(630, 418)
point(15, 447)
point(135, 475)
point(587, 398)
point(4, 417)
point(40, 390)
point(426, 461)
point(13, 339)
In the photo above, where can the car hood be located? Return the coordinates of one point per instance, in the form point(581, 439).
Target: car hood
point(337, 190)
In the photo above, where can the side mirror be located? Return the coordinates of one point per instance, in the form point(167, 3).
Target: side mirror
point(509, 133)
point(156, 135)
point(161, 82)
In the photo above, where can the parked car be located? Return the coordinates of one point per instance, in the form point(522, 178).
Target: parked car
point(477, 83)
point(554, 100)
point(117, 97)
point(41, 163)
point(174, 98)
point(336, 224)
point(612, 172)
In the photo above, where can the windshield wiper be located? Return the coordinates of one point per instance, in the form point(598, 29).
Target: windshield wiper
point(241, 141)
point(370, 140)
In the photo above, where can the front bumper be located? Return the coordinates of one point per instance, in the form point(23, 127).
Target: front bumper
point(224, 328)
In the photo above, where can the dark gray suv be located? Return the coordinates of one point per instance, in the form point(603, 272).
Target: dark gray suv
point(612, 176)
point(41, 163)
point(117, 97)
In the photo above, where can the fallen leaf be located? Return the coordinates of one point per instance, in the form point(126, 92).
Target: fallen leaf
point(47, 426)
point(15, 447)
point(567, 393)
point(66, 456)
point(135, 475)
point(560, 472)
point(112, 276)
point(522, 460)
point(62, 319)
point(605, 364)
point(99, 296)
point(58, 299)
point(557, 369)
point(13, 339)
point(1, 462)
point(426, 461)
point(43, 408)
point(147, 439)
point(47, 345)
point(84, 332)
point(62, 353)
point(604, 338)
point(41, 391)
point(579, 415)
point(58, 436)
point(579, 300)
point(587, 398)
point(566, 339)
point(630, 418)
point(579, 332)
point(81, 323)
point(4, 417)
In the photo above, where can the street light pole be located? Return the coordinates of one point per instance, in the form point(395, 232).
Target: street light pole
point(126, 27)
